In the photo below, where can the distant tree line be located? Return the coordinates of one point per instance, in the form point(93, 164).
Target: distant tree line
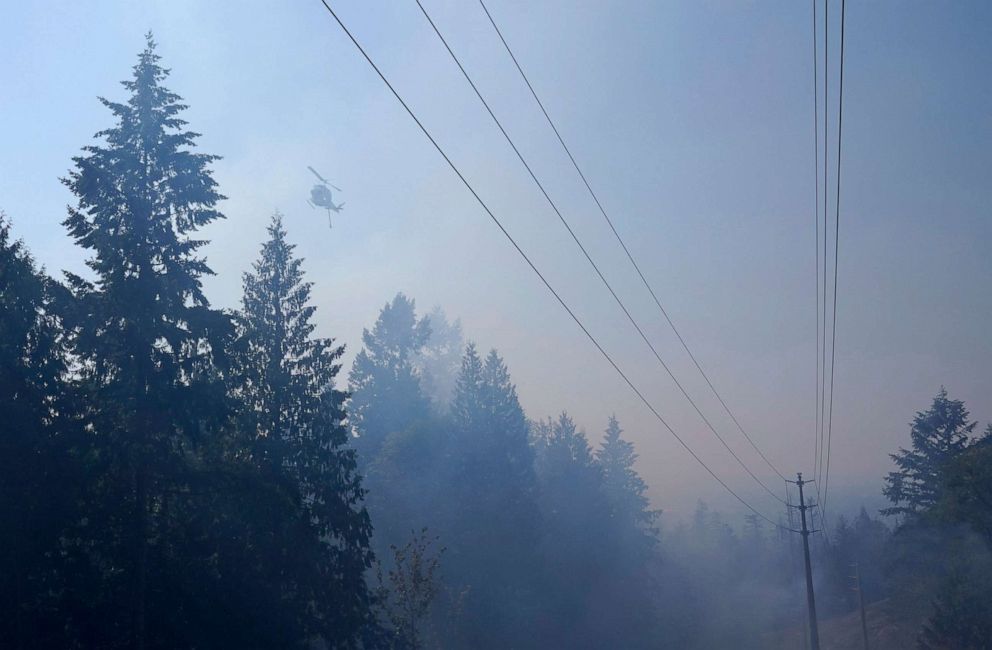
point(548, 542)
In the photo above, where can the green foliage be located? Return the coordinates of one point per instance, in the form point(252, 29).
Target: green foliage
point(292, 433)
point(962, 618)
point(937, 435)
point(491, 431)
point(625, 490)
point(966, 494)
point(386, 396)
point(962, 614)
point(571, 482)
point(410, 591)
point(40, 442)
point(491, 489)
point(863, 541)
point(467, 408)
point(469, 475)
point(598, 547)
point(166, 485)
point(940, 557)
point(394, 430)
point(148, 346)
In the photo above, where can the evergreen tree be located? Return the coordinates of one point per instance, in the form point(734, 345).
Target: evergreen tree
point(861, 540)
point(571, 479)
point(966, 494)
point(577, 526)
point(962, 612)
point(493, 527)
point(568, 451)
point(507, 424)
point(147, 341)
point(487, 414)
point(962, 616)
point(439, 361)
point(396, 438)
point(296, 436)
point(39, 448)
point(501, 404)
point(401, 445)
point(938, 435)
point(625, 489)
point(386, 396)
point(467, 406)
point(631, 545)
point(931, 553)
point(754, 530)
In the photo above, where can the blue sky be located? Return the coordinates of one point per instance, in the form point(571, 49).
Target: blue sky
point(693, 120)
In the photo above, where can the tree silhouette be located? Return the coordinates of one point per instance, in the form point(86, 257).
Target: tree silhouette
point(937, 435)
point(146, 335)
point(294, 429)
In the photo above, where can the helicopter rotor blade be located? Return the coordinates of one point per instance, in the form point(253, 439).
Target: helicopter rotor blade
point(324, 180)
point(321, 178)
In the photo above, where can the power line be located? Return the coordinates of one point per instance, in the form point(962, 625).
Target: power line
point(588, 257)
point(823, 529)
point(816, 220)
point(536, 271)
point(833, 344)
point(823, 340)
point(627, 250)
point(820, 322)
point(824, 258)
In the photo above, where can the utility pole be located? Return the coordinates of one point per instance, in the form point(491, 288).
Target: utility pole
point(814, 633)
point(861, 602)
point(803, 626)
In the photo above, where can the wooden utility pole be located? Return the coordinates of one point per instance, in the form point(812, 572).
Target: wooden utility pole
point(793, 563)
point(814, 632)
point(861, 602)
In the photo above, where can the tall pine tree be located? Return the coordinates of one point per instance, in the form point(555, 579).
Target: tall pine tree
point(386, 396)
point(938, 435)
point(494, 533)
point(625, 489)
point(40, 444)
point(296, 436)
point(146, 339)
point(467, 406)
point(577, 528)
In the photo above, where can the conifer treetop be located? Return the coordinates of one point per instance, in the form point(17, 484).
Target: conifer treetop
point(143, 191)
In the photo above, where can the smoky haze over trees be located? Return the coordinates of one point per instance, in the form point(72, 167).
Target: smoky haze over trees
point(179, 476)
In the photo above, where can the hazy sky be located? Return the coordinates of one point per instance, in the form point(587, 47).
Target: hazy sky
point(693, 120)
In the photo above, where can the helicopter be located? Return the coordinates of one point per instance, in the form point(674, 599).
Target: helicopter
point(320, 196)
